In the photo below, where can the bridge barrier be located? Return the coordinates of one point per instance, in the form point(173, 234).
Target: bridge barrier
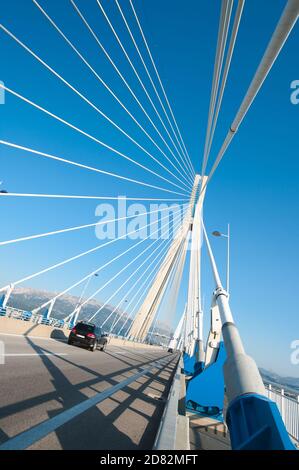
point(16, 322)
point(18, 314)
point(173, 432)
point(288, 407)
point(33, 327)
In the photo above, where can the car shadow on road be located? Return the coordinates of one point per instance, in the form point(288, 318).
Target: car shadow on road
point(58, 334)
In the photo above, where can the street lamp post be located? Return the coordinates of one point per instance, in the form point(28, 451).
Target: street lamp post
point(227, 236)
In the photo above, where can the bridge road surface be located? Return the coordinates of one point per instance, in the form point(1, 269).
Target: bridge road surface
point(42, 378)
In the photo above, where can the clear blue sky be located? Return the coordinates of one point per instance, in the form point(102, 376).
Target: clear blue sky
point(255, 188)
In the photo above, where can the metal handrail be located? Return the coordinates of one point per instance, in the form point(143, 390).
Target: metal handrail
point(288, 407)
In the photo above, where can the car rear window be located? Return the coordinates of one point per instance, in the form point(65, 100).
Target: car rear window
point(84, 328)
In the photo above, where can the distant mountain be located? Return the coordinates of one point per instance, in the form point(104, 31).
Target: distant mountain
point(291, 383)
point(28, 299)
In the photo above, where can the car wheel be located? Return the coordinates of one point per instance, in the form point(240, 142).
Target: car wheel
point(93, 347)
point(103, 347)
point(69, 341)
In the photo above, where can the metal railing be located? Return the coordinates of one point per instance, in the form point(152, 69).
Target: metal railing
point(288, 405)
point(18, 314)
point(38, 319)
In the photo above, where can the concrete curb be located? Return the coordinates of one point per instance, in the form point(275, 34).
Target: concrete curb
point(173, 433)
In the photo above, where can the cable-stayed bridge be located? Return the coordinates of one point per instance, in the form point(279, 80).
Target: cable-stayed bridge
point(126, 389)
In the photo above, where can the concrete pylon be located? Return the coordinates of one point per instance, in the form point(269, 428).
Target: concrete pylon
point(194, 330)
point(148, 310)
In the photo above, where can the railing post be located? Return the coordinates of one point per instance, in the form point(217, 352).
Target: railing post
point(282, 411)
point(7, 295)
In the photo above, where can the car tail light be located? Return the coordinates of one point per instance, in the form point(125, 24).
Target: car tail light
point(74, 330)
point(91, 335)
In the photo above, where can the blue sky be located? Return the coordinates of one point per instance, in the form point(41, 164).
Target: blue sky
point(255, 188)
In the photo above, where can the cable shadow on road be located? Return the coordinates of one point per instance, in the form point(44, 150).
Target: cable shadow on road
point(39, 400)
point(129, 412)
point(67, 395)
point(122, 359)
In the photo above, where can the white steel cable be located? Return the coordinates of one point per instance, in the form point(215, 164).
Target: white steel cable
point(80, 131)
point(70, 162)
point(284, 27)
point(101, 198)
point(175, 283)
point(223, 11)
point(141, 82)
point(92, 105)
point(173, 273)
point(229, 56)
point(97, 76)
point(120, 271)
point(165, 259)
point(127, 280)
point(45, 304)
point(139, 289)
point(181, 152)
point(133, 312)
point(132, 287)
point(144, 328)
point(84, 253)
point(130, 90)
point(75, 228)
point(161, 85)
point(138, 303)
point(176, 218)
point(145, 282)
point(148, 280)
point(225, 15)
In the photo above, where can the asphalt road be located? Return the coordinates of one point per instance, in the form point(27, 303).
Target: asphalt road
point(44, 378)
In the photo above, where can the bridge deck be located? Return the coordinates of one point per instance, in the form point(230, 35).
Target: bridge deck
point(43, 378)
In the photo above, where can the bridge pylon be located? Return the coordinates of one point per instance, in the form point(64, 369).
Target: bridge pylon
point(147, 312)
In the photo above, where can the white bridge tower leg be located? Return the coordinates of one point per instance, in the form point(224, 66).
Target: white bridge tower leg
point(148, 310)
point(194, 308)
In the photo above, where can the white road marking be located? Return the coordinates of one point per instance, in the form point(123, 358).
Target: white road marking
point(36, 433)
point(33, 337)
point(35, 354)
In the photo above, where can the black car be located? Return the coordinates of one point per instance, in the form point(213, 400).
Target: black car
point(88, 335)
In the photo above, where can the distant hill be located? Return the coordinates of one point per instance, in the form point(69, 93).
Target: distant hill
point(28, 299)
point(291, 383)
